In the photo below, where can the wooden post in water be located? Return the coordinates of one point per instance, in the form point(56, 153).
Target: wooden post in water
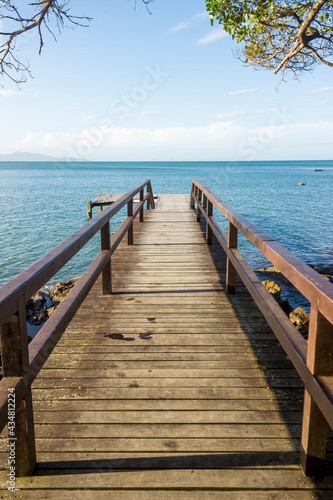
point(231, 271)
point(15, 363)
point(129, 214)
point(315, 428)
point(89, 210)
point(106, 273)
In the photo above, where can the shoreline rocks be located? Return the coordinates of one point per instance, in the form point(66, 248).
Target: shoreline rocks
point(300, 319)
point(293, 303)
point(42, 305)
point(273, 288)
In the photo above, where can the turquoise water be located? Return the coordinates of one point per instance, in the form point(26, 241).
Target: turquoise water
point(43, 203)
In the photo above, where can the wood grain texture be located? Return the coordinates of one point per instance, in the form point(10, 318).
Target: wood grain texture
point(168, 388)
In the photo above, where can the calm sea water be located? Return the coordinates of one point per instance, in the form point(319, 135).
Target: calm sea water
point(43, 203)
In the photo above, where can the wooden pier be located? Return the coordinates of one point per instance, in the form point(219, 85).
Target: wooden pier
point(168, 387)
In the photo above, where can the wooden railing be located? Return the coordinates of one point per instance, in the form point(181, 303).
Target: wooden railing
point(21, 363)
point(313, 360)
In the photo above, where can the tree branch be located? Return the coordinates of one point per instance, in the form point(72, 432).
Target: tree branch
point(47, 9)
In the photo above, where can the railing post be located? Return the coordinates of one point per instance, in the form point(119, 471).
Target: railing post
point(315, 428)
point(129, 214)
point(192, 198)
point(150, 203)
point(141, 200)
point(209, 232)
point(198, 206)
point(15, 362)
point(106, 273)
point(231, 271)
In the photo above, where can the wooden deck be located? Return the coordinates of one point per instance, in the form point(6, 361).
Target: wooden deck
point(169, 388)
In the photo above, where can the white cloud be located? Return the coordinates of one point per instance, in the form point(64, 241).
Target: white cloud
point(180, 27)
point(202, 16)
point(44, 142)
point(232, 114)
point(244, 91)
point(320, 89)
point(197, 18)
point(275, 140)
point(211, 37)
point(9, 93)
point(150, 113)
point(316, 103)
point(267, 110)
point(87, 118)
point(236, 114)
point(104, 138)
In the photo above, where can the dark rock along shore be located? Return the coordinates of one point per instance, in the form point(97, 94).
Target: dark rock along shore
point(294, 304)
point(43, 304)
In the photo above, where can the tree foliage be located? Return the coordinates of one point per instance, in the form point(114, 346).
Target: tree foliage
point(289, 35)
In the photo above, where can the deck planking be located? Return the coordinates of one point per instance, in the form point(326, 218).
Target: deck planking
point(169, 388)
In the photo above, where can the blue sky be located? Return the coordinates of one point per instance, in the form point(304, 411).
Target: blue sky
point(140, 87)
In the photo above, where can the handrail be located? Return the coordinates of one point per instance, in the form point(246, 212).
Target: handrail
point(313, 360)
point(21, 363)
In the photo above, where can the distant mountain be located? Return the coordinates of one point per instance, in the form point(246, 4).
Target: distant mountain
point(21, 156)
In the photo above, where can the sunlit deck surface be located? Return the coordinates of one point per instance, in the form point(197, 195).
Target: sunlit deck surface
point(169, 388)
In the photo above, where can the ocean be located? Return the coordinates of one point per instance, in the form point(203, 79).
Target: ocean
point(42, 203)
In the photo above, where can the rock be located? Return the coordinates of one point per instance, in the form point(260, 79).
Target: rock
point(37, 302)
point(39, 317)
point(300, 319)
point(285, 306)
point(43, 304)
point(271, 269)
point(51, 310)
point(273, 288)
point(62, 289)
point(37, 311)
point(324, 269)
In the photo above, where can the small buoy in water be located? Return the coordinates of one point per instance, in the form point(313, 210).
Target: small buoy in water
point(302, 184)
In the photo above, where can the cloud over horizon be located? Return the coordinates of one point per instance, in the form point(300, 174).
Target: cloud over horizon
point(237, 142)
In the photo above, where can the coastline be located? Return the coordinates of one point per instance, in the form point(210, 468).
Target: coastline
point(288, 291)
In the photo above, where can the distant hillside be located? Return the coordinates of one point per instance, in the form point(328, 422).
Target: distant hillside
point(21, 156)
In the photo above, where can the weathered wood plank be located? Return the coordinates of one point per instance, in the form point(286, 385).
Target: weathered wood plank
point(50, 383)
point(107, 405)
point(172, 494)
point(166, 416)
point(168, 383)
point(202, 479)
point(206, 430)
